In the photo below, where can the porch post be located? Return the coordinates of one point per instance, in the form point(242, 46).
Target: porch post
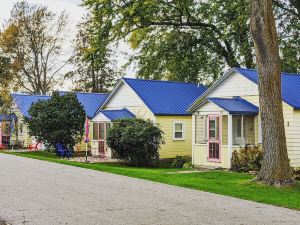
point(230, 138)
point(193, 135)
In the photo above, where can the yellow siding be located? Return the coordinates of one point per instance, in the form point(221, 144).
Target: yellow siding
point(82, 145)
point(175, 147)
point(23, 137)
point(225, 130)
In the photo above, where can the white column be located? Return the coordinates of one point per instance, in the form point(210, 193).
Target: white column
point(193, 135)
point(230, 138)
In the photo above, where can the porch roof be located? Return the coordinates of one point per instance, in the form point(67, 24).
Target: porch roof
point(235, 105)
point(115, 114)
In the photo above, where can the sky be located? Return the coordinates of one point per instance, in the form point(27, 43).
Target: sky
point(75, 12)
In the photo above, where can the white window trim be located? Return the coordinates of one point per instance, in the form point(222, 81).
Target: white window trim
point(183, 131)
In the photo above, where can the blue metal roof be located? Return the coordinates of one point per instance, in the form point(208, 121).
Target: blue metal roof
point(166, 97)
point(235, 105)
point(6, 117)
point(290, 84)
point(117, 114)
point(24, 101)
point(90, 101)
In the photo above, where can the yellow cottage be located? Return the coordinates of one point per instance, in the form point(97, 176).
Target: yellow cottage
point(22, 102)
point(164, 102)
point(226, 117)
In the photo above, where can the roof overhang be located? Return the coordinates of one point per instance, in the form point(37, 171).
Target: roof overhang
point(234, 106)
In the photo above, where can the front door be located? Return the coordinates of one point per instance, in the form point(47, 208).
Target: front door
point(214, 142)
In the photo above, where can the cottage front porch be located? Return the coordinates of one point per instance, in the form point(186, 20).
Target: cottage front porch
point(220, 126)
point(101, 124)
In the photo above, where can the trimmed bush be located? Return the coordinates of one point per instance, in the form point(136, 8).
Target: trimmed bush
point(135, 140)
point(247, 159)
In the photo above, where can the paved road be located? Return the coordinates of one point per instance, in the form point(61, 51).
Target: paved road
point(49, 193)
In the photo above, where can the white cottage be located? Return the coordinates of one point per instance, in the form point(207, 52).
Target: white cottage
point(226, 117)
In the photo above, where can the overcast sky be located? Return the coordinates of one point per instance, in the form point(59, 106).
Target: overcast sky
point(76, 12)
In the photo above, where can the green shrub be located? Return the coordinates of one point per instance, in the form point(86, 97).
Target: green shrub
point(247, 159)
point(179, 161)
point(136, 140)
point(57, 120)
point(188, 165)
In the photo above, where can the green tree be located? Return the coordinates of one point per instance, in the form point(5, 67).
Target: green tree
point(6, 80)
point(191, 40)
point(57, 120)
point(136, 140)
point(95, 71)
point(32, 38)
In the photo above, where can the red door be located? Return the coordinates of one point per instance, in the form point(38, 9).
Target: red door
point(214, 138)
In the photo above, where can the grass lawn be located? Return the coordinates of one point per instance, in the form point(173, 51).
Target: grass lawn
point(226, 183)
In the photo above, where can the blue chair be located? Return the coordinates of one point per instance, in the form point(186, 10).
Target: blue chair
point(62, 152)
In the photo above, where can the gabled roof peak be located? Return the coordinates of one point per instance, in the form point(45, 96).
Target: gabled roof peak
point(163, 81)
point(165, 97)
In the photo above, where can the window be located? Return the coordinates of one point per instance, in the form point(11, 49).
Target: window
point(101, 131)
point(214, 128)
point(95, 131)
point(214, 152)
point(178, 131)
point(243, 130)
point(200, 129)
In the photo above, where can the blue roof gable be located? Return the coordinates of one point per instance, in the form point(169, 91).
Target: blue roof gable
point(24, 101)
point(117, 114)
point(166, 97)
point(290, 84)
point(235, 105)
point(90, 101)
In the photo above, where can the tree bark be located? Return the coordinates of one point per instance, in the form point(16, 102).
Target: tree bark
point(275, 168)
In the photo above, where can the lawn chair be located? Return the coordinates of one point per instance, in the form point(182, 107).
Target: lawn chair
point(62, 152)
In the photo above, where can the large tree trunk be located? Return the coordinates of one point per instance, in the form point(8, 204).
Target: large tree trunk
point(275, 169)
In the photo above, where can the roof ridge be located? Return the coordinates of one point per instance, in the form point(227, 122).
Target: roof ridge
point(163, 81)
point(80, 92)
point(282, 72)
point(19, 94)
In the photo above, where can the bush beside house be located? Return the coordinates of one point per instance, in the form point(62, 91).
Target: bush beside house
point(135, 140)
point(247, 159)
point(57, 120)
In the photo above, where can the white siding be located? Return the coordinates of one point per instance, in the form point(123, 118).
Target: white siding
point(100, 118)
point(235, 85)
point(292, 128)
point(126, 97)
point(208, 107)
point(238, 85)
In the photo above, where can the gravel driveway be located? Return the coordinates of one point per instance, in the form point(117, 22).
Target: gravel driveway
point(40, 192)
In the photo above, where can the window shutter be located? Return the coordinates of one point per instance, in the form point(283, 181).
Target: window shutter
point(200, 129)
